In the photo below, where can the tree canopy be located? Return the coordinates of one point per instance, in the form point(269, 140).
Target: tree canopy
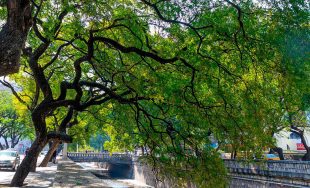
point(163, 75)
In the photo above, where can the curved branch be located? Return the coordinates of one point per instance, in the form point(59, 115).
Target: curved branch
point(59, 136)
point(138, 51)
point(8, 85)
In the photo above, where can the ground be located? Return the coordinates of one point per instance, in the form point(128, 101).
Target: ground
point(42, 178)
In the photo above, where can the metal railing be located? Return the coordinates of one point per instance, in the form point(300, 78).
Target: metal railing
point(99, 157)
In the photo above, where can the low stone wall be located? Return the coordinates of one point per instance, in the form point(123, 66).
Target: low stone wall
point(254, 174)
point(257, 174)
point(253, 182)
point(271, 174)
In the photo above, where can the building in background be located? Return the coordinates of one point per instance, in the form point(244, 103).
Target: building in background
point(291, 142)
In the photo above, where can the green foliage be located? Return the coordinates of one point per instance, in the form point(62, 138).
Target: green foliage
point(98, 140)
point(174, 74)
point(11, 122)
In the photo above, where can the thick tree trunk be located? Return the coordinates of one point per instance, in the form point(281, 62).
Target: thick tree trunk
point(33, 166)
point(29, 161)
point(49, 154)
point(13, 35)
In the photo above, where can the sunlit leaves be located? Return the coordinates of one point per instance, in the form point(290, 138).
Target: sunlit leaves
point(233, 63)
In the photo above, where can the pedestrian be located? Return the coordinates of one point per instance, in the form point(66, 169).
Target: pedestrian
point(54, 157)
point(27, 151)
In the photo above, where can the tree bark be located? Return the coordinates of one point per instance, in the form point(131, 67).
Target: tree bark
point(29, 161)
point(306, 157)
point(13, 35)
point(49, 154)
point(33, 165)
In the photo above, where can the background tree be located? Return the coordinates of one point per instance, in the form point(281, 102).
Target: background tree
point(89, 133)
point(13, 127)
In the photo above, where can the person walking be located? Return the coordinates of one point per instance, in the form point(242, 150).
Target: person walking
point(54, 157)
point(27, 151)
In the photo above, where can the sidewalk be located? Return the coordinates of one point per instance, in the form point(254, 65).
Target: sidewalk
point(43, 177)
point(69, 174)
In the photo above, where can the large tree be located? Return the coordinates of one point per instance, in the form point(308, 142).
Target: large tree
point(167, 75)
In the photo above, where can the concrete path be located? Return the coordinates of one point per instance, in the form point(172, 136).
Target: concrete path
point(43, 177)
point(72, 175)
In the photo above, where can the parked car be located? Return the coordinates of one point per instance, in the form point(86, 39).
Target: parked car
point(271, 157)
point(9, 159)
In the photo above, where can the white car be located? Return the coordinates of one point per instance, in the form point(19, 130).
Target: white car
point(9, 159)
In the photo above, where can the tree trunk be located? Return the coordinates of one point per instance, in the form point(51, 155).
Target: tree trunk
point(300, 132)
point(306, 157)
point(6, 142)
point(13, 35)
point(279, 151)
point(29, 161)
point(33, 166)
point(49, 154)
point(15, 140)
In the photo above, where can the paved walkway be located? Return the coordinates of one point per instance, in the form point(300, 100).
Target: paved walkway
point(43, 177)
point(69, 174)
